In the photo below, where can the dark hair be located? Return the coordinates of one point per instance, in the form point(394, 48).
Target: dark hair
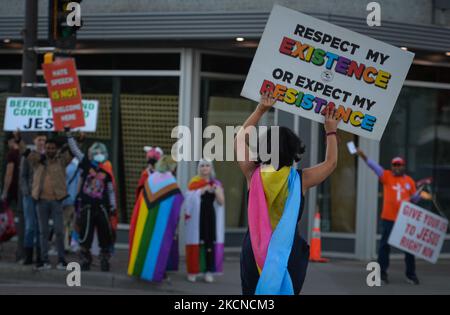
point(9, 136)
point(291, 147)
point(152, 161)
point(40, 134)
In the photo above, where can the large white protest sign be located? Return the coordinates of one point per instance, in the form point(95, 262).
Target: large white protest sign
point(310, 64)
point(35, 114)
point(418, 232)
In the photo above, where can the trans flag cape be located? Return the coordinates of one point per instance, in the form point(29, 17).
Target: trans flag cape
point(153, 227)
point(195, 252)
point(272, 231)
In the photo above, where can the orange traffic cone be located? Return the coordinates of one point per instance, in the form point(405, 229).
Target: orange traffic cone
point(315, 253)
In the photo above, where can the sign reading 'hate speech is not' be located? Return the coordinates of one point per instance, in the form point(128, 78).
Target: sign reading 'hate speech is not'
point(64, 92)
point(309, 64)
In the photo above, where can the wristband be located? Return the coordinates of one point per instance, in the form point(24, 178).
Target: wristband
point(331, 133)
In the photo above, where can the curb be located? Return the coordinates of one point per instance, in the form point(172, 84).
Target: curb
point(15, 272)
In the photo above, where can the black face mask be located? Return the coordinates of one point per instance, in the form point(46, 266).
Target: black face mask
point(152, 161)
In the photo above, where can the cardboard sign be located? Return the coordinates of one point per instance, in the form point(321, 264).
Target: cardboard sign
point(35, 114)
point(418, 232)
point(64, 92)
point(310, 64)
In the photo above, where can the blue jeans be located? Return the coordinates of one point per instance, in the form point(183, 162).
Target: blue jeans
point(31, 222)
point(47, 209)
point(385, 248)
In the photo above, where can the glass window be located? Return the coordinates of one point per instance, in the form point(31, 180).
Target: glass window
point(11, 61)
point(9, 86)
point(148, 113)
point(431, 74)
point(141, 61)
point(419, 130)
point(222, 106)
point(225, 64)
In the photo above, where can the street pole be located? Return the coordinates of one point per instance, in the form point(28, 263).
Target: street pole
point(29, 59)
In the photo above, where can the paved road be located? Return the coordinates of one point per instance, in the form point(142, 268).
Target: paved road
point(336, 277)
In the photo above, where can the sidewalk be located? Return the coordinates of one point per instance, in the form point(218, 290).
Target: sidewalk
point(337, 277)
point(229, 284)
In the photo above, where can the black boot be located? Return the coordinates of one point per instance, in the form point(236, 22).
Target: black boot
point(104, 262)
point(28, 256)
point(38, 255)
point(86, 259)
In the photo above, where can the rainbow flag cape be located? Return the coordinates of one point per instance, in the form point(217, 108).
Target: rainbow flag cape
point(272, 234)
point(195, 252)
point(153, 227)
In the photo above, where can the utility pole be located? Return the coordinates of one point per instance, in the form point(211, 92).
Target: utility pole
point(29, 59)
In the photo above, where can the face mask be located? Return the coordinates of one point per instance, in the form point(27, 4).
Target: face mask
point(100, 158)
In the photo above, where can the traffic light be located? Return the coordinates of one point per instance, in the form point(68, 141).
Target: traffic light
point(64, 16)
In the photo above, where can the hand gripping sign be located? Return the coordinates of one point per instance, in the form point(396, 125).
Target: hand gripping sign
point(310, 64)
point(418, 232)
point(65, 93)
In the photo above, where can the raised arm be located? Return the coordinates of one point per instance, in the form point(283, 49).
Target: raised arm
point(313, 176)
point(220, 197)
point(8, 179)
point(73, 146)
point(241, 147)
point(111, 196)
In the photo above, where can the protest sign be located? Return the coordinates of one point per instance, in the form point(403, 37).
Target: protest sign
point(418, 232)
point(310, 64)
point(35, 114)
point(64, 92)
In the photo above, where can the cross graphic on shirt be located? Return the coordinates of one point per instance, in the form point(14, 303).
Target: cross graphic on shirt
point(399, 189)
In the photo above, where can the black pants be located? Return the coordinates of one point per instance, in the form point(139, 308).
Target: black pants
point(385, 249)
point(94, 216)
point(297, 265)
point(208, 233)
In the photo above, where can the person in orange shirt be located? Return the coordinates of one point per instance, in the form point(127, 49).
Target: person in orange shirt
point(397, 187)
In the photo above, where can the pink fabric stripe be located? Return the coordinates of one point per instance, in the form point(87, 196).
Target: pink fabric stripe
point(258, 219)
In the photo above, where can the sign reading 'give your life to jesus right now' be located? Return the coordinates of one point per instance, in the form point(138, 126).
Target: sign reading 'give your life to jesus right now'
point(310, 64)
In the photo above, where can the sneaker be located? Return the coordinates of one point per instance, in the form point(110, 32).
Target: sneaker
point(62, 265)
point(28, 256)
point(166, 278)
point(191, 278)
point(43, 266)
point(52, 252)
point(209, 277)
point(412, 280)
point(384, 278)
point(85, 266)
point(85, 260)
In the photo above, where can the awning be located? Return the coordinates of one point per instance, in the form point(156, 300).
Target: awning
point(225, 25)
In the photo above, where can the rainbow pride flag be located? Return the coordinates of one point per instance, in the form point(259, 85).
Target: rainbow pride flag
point(153, 226)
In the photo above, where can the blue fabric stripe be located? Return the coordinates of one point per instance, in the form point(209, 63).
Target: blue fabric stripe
point(157, 237)
point(275, 278)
